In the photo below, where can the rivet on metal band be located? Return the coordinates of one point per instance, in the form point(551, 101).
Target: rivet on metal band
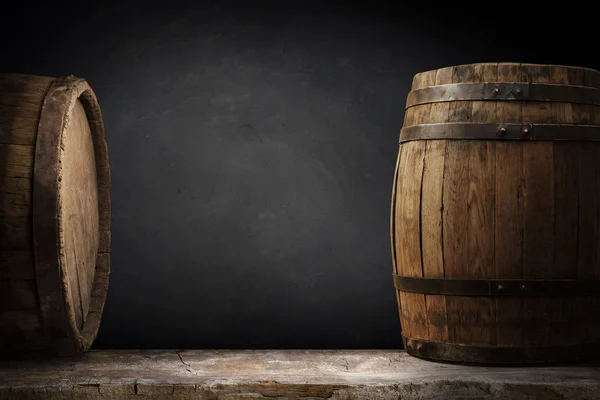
point(461, 131)
point(498, 287)
point(519, 91)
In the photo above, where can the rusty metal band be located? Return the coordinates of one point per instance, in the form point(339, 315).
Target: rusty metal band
point(539, 132)
point(499, 355)
point(506, 91)
point(498, 287)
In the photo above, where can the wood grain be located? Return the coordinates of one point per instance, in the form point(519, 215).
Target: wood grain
point(78, 194)
point(82, 184)
point(408, 232)
point(500, 209)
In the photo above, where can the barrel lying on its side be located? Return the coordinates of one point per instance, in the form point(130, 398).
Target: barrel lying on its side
point(495, 214)
point(54, 215)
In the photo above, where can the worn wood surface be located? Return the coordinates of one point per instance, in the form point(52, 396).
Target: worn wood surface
point(475, 209)
point(54, 195)
point(360, 374)
point(78, 193)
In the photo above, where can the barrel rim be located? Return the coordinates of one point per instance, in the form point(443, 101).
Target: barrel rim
point(56, 308)
point(506, 63)
point(510, 63)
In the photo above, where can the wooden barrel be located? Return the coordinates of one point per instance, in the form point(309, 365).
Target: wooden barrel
point(495, 214)
point(54, 215)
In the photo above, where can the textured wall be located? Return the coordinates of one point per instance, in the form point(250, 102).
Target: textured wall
point(252, 148)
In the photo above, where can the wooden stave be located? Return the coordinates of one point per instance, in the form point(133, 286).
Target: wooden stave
point(415, 308)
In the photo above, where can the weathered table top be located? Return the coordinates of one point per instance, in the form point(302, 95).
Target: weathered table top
point(316, 374)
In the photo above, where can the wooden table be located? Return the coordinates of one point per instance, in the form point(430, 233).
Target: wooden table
point(276, 374)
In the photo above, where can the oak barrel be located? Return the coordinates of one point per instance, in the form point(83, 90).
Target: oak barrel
point(54, 215)
point(495, 214)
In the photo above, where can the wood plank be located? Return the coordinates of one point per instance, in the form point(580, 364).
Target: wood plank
point(408, 233)
point(17, 161)
point(19, 322)
point(437, 319)
point(536, 318)
point(18, 295)
point(541, 112)
point(21, 90)
point(424, 79)
point(558, 327)
point(509, 211)
point(485, 111)
point(455, 205)
point(408, 254)
point(508, 237)
point(543, 318)
point(432, 209)
point(416, 115)
point(409, 117)
point(596, 268)
point(432, 214)
point(15, 205)
point(593, 327)
point(537, 73)
point(510, 72)
point(286, 374)
point(556, 322)
point(439, 113)
point(416, 310)
point(481, 158)
point(474, 318)
point(592, 78)
point(509, 324)
point(16, 266)
point(432, 235)
point(18, 125)
point(460, 111)
point(444, 76)
point(566, 215)
point(594, 114)
point(420, 114)
point(559, 75)
point(470, 321)
point(581, 113)
point(510, 113)
point(464, 74)
point(405, 315)
point(538, 209)
point(589, 210)
point(576, 314)
point(15, 233)
point(576, 76)
point(15, 185)
point(392, 216)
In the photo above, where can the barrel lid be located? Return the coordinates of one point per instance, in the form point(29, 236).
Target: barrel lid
point(71, 214)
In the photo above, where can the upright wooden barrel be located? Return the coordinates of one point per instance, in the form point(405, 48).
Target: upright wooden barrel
point(54, 215)
point(495, 219)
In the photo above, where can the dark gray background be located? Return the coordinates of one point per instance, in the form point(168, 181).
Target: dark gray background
point(252, 147)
